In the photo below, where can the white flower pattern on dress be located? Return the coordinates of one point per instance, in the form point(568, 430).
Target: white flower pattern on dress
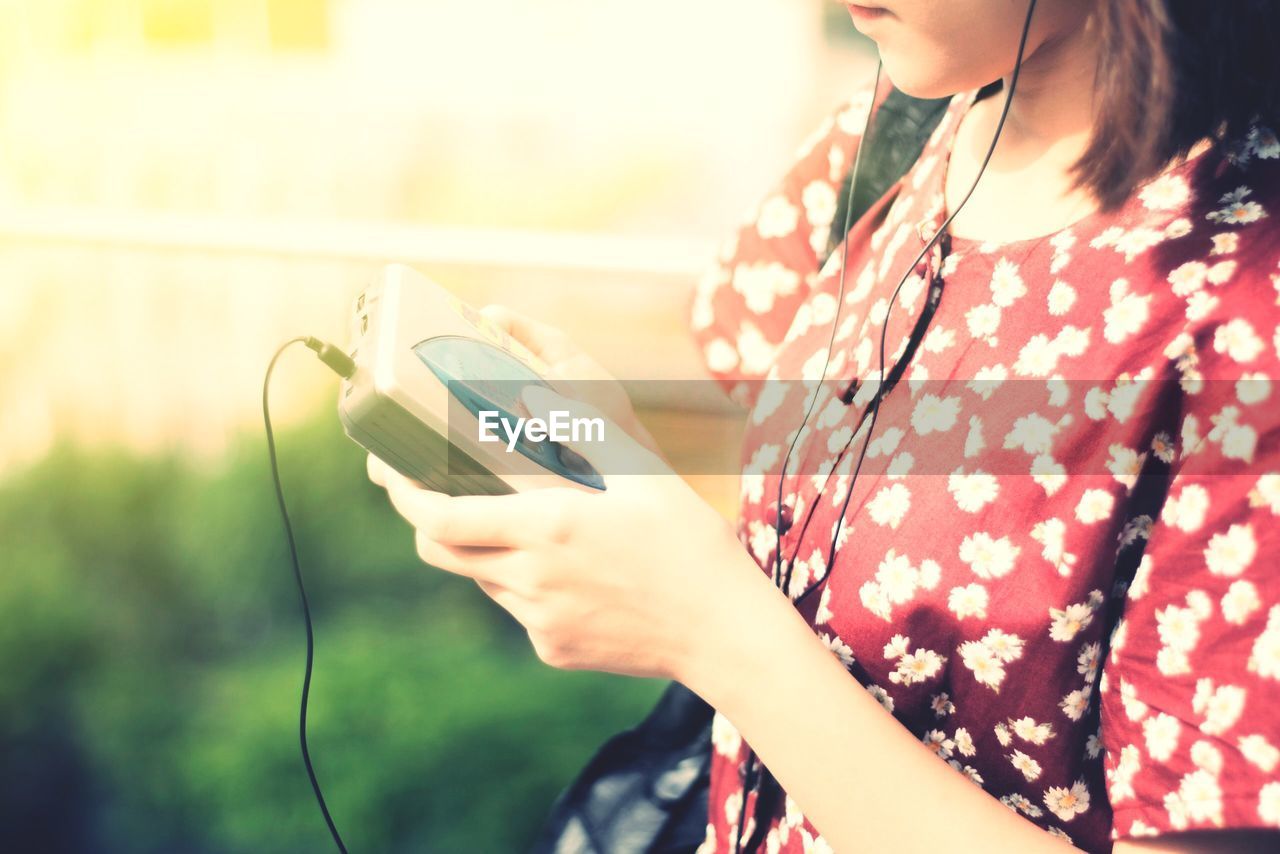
point(973, 601)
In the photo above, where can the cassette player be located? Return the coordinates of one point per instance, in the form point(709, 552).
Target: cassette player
point(429, 369)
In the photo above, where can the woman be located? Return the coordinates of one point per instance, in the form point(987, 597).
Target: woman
point(928, 662)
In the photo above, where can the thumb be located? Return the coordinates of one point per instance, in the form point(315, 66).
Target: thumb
point(589, 433)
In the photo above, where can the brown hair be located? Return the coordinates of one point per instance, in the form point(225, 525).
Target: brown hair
point(1171, 73)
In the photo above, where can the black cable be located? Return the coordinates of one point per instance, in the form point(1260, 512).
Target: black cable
point(297, 569)
point(942, 230)
point(782, 578)
point(750, 781)
point(835, 325)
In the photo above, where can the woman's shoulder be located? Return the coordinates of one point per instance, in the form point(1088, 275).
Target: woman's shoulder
point(1205, 237)
point(1227, 195)
point(744, 304)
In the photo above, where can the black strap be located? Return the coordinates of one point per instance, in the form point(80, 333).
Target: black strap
point(644, 791)
point(899, 130)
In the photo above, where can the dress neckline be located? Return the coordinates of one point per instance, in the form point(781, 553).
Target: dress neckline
point(942, 144)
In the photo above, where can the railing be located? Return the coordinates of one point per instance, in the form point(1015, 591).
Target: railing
point(661, 258)
point(152, 329)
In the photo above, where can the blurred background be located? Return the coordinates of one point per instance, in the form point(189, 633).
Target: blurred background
point(186, 183)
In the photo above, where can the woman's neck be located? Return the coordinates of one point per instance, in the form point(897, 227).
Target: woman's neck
point(1054, 98)
point(1028, 190)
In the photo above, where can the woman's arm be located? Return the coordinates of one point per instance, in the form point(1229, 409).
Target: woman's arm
point(645, 579)
point(858, 775)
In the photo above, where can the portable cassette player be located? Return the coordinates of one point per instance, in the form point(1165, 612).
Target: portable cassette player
point(428, 367)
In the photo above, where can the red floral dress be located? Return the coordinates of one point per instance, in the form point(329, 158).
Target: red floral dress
point(1088, 425)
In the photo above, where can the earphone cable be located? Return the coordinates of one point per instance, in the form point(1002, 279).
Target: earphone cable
point(777, 568)
point(835, 325)
point(783, 577)
point(302, 591)
point(933, 240)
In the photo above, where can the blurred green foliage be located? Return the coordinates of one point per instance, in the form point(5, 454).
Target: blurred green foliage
point(151, 652)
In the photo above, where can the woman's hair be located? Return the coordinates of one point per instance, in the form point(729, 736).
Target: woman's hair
point(1171, 73)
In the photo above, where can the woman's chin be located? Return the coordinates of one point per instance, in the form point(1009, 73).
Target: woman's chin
point(921, 78)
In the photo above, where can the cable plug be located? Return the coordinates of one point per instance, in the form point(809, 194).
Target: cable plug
point(339, 362)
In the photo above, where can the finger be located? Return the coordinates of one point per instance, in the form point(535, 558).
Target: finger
point(506, 599)
point(377, 470)
point(501, 521)
point(548, 342)
point(587, 431)
point(492, 566)
point(492, 589)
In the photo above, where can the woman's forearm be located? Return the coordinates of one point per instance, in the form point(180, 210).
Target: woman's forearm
point(863, 780)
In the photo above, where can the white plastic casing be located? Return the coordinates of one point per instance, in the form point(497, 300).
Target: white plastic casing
point(397, 408)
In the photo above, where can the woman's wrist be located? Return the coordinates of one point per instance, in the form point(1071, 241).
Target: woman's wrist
point(725, 651)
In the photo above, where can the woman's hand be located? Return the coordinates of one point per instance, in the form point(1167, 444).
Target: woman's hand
point(636, 579)
point(574, 372)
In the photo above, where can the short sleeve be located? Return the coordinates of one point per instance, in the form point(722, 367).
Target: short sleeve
point(747, 300)
point(1191, 689)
